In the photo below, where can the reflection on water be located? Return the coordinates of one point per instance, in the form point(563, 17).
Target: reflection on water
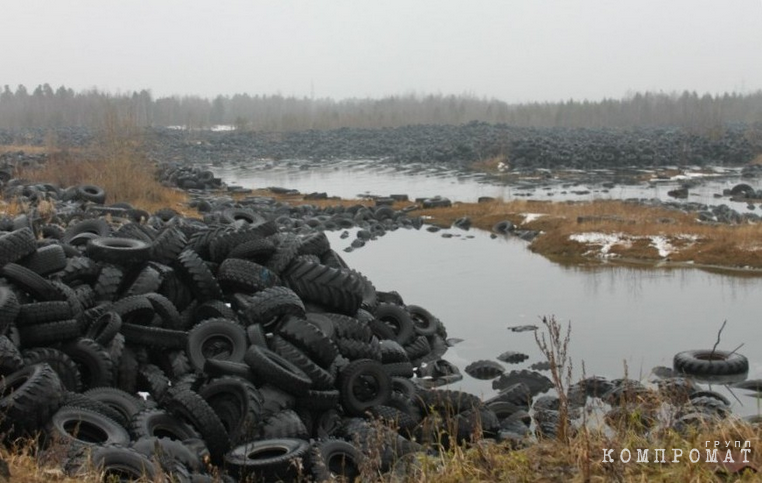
point(348, 179)
point(623, 318)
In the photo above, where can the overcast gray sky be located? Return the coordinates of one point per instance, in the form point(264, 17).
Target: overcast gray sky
point(514, 50)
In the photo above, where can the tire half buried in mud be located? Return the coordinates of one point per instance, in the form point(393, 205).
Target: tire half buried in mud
point(708, 363)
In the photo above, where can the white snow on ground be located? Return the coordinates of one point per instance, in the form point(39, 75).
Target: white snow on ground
point(530, 217)
point(662, 245)
point(605, 240)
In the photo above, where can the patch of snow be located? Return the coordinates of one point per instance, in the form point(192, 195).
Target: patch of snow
point(605, 240)
point(222, 127)
point(530, 217)
point(663, 245)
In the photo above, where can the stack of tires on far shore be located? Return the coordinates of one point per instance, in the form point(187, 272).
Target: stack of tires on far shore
point(202, 350)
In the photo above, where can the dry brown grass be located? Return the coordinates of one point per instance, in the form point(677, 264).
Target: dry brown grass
point(581, 460)
point(117, 163)
point(710, 244)
point(27, 148)
point(491, 165)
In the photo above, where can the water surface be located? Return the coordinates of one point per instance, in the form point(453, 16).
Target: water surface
point(623, 318)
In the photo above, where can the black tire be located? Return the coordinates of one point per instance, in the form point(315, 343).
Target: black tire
point(80, 269)
point(154, 336)
point(340, 289)
point(286, 250)
point(255, 333)
point(151, 378)
point(10, 357)
point(315, 243)
point(111, 463)
point(45, 260)
point(93, 361)
point(147, 280)
point(238, 404)
point(168, 245)
point(333, 259)
point(49, 332)
point(103, 329)
point(174, 363)
point(232, 215)
point(42, 312)
point(346, 327)
point(446, 402)
point(135, 309)
point(216, 339)
point(363, 384)
point(355, 349)
point(9, 308)
point(108, 282)
point(398, 320)
point(114, 463)
point(219, 368)
point(28, 397)
point(310, 339)
point(198, 276)
point(392, 352)
point(369, 297)
point(333, 459)
point(277, 371)
point(127, 372)
point(16, 245)
point(159, 423)
point(119, 251)
point(319, 400)
point(392, 416)
point(710, 363)
point(321, 379)
point(136, 231)
point(81, 401)
point(423, 321)
point(222, 245)
point(419, 348)
point(94, 226)
point(74, 426)
point(284, 424)
point(190, 407)
point(190, 455)
point(269, 459)
point(32, 283)
point(120, 401)
point(166, 310)
point(484, 370)
point(399, 369)
point(236, 275)
point(92, 193)
point(271, 304)
point(213, 309)
point(64, 367)
point(257, 250)
point(381, 330)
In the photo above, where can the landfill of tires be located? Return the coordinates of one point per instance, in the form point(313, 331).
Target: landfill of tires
point(457, 146)
point(460, 146)
point(234, 346)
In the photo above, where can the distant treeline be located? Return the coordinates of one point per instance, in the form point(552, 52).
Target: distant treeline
point(46, 107)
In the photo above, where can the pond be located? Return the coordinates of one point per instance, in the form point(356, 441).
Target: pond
point(351, 178)
point(625, 319)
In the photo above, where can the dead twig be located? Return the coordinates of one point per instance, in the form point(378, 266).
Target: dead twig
point(718, 338)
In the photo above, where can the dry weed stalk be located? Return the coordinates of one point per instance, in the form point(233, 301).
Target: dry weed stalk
point(555, 348)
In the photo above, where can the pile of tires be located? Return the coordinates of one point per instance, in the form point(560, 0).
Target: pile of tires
point(235, 344)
